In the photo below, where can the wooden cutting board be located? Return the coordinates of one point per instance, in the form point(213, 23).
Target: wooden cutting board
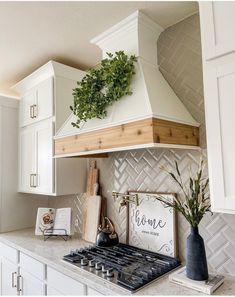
point(92, 179)
point(92, 210)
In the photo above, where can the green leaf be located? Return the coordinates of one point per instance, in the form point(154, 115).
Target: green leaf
point(100, 88)
point(194, 200)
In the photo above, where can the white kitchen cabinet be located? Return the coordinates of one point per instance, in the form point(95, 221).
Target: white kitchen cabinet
point(27, 158)
point(9, 270)
point(21, 274)
point(46, 95)
point(220, 105)
point(50, 88)
point(217, 27)
point(9, 277)
point(43, 180)
point(219, 94)
point(32, 276)
point(30, 285)
point(24, 275)
point(36, 158)
point(37, 103)
point(57, 281)
point(12, 202)
point(39, 172)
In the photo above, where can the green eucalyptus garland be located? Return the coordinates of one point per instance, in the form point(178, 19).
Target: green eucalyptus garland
point(100, 88)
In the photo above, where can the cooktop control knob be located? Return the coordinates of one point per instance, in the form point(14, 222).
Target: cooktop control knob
point(104, 270)
point(98, 266)
point(72, 253)
point(84, 262)
point(109, 272)
point(92, 263)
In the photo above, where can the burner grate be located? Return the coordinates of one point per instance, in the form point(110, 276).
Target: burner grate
point(124, 265)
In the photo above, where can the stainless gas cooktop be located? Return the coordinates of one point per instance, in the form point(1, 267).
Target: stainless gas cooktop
point(124, 265)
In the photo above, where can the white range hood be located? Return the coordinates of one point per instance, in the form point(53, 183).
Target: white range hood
point(152, 96)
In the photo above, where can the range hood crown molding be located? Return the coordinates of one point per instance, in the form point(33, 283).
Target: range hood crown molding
point(132, 35)
point(153, 101)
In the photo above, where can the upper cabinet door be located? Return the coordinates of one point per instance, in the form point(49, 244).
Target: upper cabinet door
point(27, 159)
point(45, 161)
point(217, 27)
point(36, 158)
point(37, 104)
point(219, 91)
point(44, 104)
point(27, 103)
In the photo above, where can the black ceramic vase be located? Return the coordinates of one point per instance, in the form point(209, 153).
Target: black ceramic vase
point(196, 264)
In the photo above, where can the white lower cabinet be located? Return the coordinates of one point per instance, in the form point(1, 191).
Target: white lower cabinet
point(9, 278)
point(30, 285)
point(64, 284)
point(25, 276)
point(32, 276)
point(9, 270)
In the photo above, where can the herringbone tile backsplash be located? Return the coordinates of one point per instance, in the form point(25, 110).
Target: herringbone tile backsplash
point(179, 57)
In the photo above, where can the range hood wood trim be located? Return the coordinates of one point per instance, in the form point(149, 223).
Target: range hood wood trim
point(142, 132)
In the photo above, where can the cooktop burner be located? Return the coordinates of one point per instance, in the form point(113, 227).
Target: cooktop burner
point(124, 265)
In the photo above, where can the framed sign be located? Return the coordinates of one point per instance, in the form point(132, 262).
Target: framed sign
point(152, 225)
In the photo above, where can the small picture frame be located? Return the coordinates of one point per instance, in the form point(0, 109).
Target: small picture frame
point(152, 225)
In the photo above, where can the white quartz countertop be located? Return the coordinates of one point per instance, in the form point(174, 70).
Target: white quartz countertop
point(50, 252)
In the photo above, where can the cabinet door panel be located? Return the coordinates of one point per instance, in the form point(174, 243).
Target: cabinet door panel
point(217, 27)
point(27, 159)
point(32, 266)
point(9, 278)
point(44, 105)
point(45, 162)
point(30, 285)
point(64, 284)
point(26, 108)
point(220, 120)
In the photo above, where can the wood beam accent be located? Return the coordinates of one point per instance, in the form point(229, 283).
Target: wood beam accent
point(130, 134)
point(175, 133)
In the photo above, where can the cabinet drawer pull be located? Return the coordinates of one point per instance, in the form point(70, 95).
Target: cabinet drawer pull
point(13, 280)
point(31, 111)
point(35, 111)
point(19, 283)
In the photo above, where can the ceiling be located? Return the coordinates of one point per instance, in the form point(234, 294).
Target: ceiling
point(32, 33)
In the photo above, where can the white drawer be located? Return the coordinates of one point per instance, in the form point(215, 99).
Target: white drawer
point(34, 267)
point(9, 253)
point(92, 292)
point(64, 284)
